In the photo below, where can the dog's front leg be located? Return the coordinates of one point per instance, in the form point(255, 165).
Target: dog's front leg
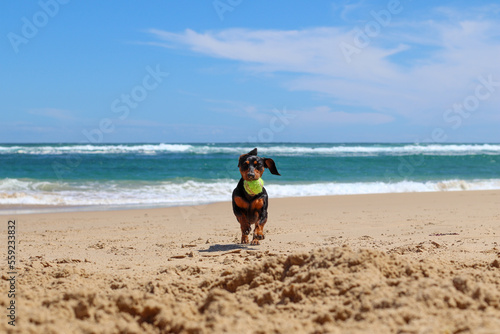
point(245, 228)
point(258, 232)
point(260, 211)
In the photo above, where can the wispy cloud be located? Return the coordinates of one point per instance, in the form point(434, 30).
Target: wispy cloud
point(347, 7)
point(240, 109)
point(415, 69)
point(54, 113)
point(325, 116)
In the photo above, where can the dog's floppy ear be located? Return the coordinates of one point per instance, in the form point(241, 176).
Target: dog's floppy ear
point(253, 152)
point(269, 163)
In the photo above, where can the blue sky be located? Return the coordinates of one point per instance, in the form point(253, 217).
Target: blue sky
point(249, 71)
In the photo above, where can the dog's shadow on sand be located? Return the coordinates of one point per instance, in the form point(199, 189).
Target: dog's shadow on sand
point(225, 248)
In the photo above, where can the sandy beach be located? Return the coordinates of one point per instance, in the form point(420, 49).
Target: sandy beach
point(388, 263)
point(128, 127)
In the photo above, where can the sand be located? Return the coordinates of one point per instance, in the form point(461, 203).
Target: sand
point(391, 263)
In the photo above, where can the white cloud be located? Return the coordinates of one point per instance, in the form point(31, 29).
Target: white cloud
point(54, 113)
point(414, 69)
point(324, 116)
point(239, 109)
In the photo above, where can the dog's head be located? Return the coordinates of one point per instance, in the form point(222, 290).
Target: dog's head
point(252, 167)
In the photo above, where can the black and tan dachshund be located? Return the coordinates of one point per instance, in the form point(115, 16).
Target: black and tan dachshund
point(250, 197)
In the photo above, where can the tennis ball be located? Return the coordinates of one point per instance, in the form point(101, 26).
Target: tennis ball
point(254, 187)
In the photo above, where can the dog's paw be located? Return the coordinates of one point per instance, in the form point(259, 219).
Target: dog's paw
point(244, 239)
point(255, 242)
point(258, 236)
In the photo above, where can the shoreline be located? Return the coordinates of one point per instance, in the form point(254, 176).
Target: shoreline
point(20, 209)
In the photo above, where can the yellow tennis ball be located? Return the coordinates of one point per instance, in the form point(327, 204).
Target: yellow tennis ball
point(254, 187)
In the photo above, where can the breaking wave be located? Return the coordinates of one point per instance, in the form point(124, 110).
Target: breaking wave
point(269, 149)
point(192, 192)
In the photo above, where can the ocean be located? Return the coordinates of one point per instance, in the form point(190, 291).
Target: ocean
point(59, 176)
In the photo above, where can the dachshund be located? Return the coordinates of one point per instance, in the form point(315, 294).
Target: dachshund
point(250, 197)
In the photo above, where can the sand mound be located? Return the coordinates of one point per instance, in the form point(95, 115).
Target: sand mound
point(323, 291)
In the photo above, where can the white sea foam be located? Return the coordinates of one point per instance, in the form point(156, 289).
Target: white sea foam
point(96, 149)
point(115, 193)
point(331, 188)
point(434, 149)
point(276, 150)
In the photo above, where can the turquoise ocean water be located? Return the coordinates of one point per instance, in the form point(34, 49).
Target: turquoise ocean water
point(130, 175)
